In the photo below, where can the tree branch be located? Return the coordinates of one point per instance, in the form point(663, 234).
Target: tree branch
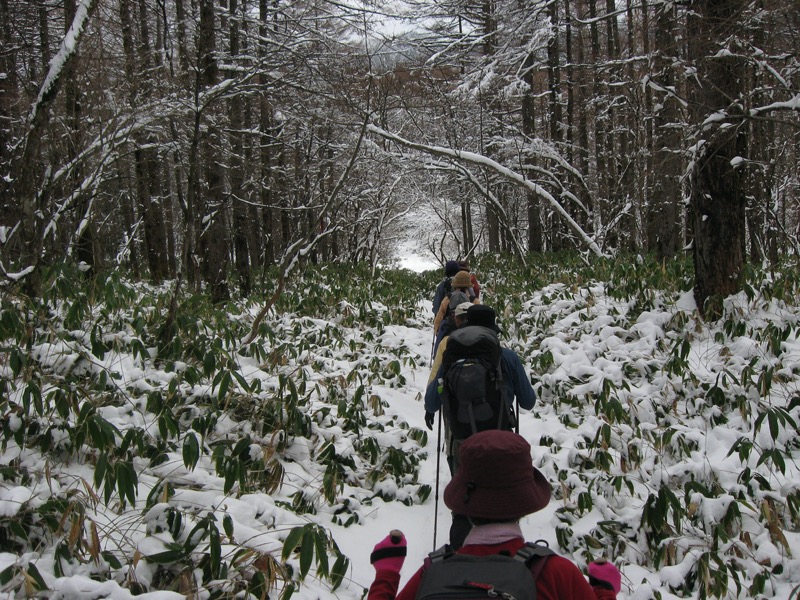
point(514, 177)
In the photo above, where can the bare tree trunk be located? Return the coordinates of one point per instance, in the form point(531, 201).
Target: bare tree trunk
point(762, 224)
point(554, 116)
point(128, 205)
point(44, 37)
point(84, 243)
point(717, 185)
point(569, 87)
point(644, 163)
point(535, 233)
point(466, 219)
point(164, 188)
point(148, 179)
point(599, 172)
point(213, 236)
point(153, 211)
point(554, 76)
point(584, 84)
point(9, 214)
point(30, 187)
point(613, 168)
point(241, 248)
point(664, 231)
point(253, 230)
point(185, 268)
point(489, 31)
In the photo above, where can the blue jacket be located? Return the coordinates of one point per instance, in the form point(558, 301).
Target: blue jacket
point(439, 295)
point(515, 382)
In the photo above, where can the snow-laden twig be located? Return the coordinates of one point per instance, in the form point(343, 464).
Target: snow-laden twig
point(513, 176)
point(306, 244)
point(69, 47)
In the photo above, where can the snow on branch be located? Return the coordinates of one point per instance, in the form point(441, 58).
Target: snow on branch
point(791, 104)
point(513, 176)
point(306, 244)
point(58, 63)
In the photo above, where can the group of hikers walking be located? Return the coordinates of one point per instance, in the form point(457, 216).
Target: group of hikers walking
point(477, 387)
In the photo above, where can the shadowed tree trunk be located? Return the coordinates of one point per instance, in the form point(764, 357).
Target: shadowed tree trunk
point(535, 233)
point(8, 97)
point(597, 130)
point(31, 190)
point(213, 233)
point(138, 67)
point(663, 225)
point(717, 179)
point(554, 116)
point(241, 248)
point(84, 242)
point(582, 83)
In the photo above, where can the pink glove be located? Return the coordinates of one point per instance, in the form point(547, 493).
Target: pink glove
point(603, 572)
point(390, 553)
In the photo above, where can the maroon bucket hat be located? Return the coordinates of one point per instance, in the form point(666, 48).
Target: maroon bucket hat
point(497, 479)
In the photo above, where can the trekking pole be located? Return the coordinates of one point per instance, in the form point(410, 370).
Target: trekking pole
point(438, 464)
point(516, 400)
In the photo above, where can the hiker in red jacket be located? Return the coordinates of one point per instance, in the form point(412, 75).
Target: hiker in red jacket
point(495, 487)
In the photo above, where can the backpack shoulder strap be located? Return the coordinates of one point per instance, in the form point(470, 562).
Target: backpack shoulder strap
point(534, 555)
point(437, 556)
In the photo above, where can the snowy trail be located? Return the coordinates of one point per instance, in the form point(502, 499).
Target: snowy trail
point(417, 521)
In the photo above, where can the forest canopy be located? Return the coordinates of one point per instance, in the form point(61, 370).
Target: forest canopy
point(212, 140)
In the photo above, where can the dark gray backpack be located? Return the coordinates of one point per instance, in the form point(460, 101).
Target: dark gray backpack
point(450, 576)
point(473, 383)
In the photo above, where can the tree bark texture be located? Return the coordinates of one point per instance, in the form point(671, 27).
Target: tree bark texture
point(214, 257)
point(717, 179)
point(663, 226)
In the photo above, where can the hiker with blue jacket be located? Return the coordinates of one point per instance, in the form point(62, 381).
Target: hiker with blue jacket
point(515, 382)
point(451, 267)
point(495, 487)
point(475, 387)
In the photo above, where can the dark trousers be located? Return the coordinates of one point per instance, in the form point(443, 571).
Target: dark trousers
point(461, 525)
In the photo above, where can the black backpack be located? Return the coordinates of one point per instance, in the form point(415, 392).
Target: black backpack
point(473, 397)
point(447, 575)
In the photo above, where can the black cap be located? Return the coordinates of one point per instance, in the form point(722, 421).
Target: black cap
point(483, 316)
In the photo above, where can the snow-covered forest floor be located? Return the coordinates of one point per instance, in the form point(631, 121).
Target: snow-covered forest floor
point(168, 459)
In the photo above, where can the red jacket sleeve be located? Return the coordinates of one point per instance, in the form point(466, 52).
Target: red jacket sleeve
point(560, 578)
point(385, 586)
point(386, 583)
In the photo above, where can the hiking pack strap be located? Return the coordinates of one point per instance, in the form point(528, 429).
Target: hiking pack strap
point(504, 408)
point(438, 555)
point(532, 551)
point(472, 425)
point(528, 552)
